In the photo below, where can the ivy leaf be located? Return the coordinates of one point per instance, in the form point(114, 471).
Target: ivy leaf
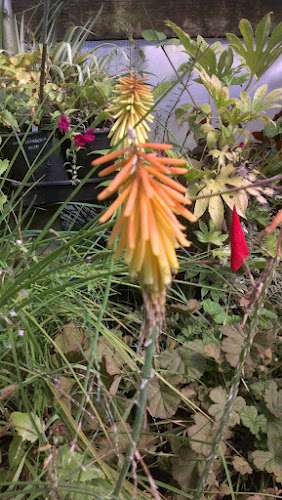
point(250, 419)
point(27, 426)
point(273, 399)
point(241, 465)
point(162, 401)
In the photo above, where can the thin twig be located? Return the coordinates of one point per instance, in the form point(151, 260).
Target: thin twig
point(44, 51)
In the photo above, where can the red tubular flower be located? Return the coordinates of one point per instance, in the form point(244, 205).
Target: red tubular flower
point(80, 140)
point(89, 135)
point(64, 124)
point(239, 247)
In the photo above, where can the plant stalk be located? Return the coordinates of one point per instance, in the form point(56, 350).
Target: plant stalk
point(44, 51)
point(152, 327)
point(259, 293)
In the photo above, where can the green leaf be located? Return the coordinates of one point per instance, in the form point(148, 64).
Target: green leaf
point(73, 466)
point(153, 35)
point(28, 426)
point(247, 33)
point(215, 310)
point(250, 419)
point(262, 32)
point(4, 165)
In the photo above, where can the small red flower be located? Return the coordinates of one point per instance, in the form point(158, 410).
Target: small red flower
point(80, 140)
point(239, 247)
point(89, 135)
point(64, 124)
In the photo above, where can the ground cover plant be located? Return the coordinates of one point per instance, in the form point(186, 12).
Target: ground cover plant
point(129, 370)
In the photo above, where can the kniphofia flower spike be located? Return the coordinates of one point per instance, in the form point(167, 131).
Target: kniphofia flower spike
point(149, 200)
point(130, 109)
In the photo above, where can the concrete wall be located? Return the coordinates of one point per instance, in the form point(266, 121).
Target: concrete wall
point(119, 18)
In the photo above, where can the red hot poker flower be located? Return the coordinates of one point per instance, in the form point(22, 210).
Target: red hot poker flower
point(239, 247)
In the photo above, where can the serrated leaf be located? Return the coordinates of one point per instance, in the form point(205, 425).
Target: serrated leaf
point(184, 467)
point(219, 396)
point(273, 399)
point(241, 465)
point(250, 419)
point(232, 344)
point(265, 461)
point(162, 401)
point(201, 434)
point(27, 426)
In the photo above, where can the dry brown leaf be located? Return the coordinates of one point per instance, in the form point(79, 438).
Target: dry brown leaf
point(201, 434)
point(241, 465)
point(162, 401)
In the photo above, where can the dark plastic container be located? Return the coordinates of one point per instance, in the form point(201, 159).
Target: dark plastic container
point(35, 153)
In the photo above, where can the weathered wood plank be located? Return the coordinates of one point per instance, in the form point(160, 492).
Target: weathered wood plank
point(120, 18)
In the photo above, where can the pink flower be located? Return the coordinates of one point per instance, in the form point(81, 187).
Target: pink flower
point(239, 247)
point(64, 124)
point(89, 135)
point(80, 140)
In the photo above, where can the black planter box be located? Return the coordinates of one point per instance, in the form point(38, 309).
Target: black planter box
point(50, 182)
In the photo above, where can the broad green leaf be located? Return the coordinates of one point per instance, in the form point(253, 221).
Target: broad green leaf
point(202, 204)
point(262, 33)
point(27, 426)
point(216, 210)
point(247, 33)
point(153, 35)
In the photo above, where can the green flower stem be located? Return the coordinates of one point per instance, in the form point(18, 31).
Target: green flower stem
point(256, 302)
point(152, 333)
